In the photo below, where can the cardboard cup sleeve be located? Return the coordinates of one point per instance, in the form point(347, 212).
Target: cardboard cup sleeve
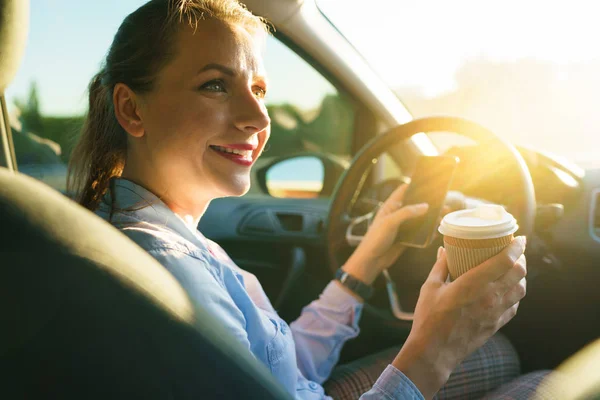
point(464, 254)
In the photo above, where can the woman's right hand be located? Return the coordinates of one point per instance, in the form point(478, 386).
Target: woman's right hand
point(452, 319)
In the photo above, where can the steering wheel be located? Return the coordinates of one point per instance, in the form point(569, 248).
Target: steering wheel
point(350, 185)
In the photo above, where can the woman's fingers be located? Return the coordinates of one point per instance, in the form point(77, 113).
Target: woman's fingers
point(398, 194)
point(516, 294)
point(495, 267)
point(439, 272)
point(408, 212)
point(507, 315)
point(512, 277)
point(394, 201)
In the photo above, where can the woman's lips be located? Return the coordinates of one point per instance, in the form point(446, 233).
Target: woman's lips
point(240, 146)
point(240, 153)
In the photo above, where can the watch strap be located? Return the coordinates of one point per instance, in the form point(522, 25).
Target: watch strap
point(356, 285)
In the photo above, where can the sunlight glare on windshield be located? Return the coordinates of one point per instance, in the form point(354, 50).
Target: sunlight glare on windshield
point(528, 70)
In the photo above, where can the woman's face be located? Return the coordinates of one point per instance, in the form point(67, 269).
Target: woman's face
point(205, 122)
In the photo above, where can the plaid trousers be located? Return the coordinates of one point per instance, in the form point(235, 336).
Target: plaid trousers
point(490, 373)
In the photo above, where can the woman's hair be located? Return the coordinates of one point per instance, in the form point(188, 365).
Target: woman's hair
point(142, 46)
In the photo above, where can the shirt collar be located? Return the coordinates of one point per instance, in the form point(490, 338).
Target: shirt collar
point(131, 199)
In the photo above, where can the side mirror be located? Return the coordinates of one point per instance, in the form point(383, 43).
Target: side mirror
point(301, 176)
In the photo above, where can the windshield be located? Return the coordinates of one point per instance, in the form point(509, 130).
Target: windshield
point(528, 70)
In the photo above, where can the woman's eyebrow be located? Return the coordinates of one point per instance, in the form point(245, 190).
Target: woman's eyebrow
point(227, 71)
point(218, 67)
point(261, 78)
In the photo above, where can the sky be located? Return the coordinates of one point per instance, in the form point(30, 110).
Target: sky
point(65, 48)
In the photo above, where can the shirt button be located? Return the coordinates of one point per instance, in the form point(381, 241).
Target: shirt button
point(313, 386)
point(283, 329)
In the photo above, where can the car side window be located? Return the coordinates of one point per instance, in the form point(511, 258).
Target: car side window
point(47, 101)
point(42, 142)
point(308, 115)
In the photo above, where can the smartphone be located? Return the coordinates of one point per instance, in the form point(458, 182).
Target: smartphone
point(429, 184)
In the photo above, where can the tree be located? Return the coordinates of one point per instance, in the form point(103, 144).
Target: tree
point(31, 118)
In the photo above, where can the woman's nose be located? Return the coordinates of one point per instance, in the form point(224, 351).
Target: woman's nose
point(252, 115)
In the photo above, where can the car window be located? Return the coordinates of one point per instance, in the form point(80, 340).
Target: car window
point(308, 114)
point(48, 101)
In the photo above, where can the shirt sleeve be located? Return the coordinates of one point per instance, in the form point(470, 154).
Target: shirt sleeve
point(393, 385)
point(322, 329)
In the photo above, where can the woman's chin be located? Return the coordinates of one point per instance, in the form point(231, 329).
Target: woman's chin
point(236, 189)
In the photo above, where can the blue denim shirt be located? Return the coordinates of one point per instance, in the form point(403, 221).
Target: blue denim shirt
point(302, 355)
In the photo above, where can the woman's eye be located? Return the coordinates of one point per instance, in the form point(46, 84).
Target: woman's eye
point(259, 92)
point(214, 86)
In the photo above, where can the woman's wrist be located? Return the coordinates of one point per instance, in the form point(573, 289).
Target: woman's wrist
point(361, 269)
point(427, 375)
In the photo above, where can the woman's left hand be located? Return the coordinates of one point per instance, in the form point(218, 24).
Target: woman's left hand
point(378, 250)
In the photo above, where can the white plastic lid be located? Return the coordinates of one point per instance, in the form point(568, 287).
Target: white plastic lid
point(483, 222)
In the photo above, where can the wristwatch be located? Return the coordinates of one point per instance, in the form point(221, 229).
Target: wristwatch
point(357, 286)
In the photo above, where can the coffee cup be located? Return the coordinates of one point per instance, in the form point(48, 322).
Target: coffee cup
point(474, 235)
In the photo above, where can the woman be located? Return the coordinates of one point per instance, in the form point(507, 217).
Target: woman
point(176, 119)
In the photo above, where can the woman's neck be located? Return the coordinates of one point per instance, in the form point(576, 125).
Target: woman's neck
point(192, 220)
point(187, 204)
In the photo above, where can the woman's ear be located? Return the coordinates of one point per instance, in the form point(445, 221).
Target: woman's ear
point(127, 110)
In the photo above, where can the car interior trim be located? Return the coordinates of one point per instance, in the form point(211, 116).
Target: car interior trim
point(593, 211)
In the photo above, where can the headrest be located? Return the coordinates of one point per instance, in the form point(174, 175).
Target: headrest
point(14, 24)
